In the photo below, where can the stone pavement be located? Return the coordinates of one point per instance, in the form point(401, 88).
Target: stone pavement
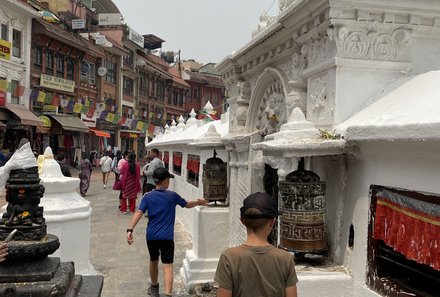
point(125, 268)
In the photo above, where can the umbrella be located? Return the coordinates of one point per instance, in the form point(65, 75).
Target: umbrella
point(49, 16)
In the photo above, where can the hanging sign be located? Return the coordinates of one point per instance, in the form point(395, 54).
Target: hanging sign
point(136, 38)
point(78, 24)
point(5, 49)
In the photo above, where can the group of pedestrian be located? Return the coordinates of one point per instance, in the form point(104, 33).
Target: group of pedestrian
point(255, 268)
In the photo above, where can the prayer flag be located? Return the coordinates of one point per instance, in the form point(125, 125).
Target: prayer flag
point(41, 96)
point(110, 117)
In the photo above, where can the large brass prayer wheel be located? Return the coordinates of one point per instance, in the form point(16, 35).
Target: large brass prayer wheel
point(214, 179)
point(302, 206)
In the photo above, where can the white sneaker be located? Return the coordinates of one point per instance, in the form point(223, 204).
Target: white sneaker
point(104, 186)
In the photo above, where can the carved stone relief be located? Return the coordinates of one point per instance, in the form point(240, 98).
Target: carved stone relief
point(272, 112)
point(371, 44)
point(318, 51)
point(283, 4)
point(265, 21)
point(318, 103)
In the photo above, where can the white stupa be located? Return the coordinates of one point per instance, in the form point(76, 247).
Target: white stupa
point(67, 214)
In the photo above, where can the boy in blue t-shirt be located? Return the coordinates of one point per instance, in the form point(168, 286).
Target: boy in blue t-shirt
point(161, 204)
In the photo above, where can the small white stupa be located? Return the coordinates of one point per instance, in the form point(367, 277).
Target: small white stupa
point(67, 214)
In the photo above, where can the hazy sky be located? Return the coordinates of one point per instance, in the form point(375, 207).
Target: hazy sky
point(204, 30)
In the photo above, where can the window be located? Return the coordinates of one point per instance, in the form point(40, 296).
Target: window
point(49, 62)
point(38, 57)
point(143, 88)
point(175, 98)
point(4, 33)
point(16, 43)
point(181, 99)
point(403, 265)
point(128, 86)
point(60, 66)
point(128, 59)
point(14, 94)
point(70, 69)
point(193, 167)
point(110, 75)
point(88, 71)
point(197, 93)
point(160, 90)
point(177, 163)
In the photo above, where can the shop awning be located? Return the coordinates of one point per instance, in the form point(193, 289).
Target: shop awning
point(100, 133)
point(25, 115)
point(71, 123)
point(130, 134)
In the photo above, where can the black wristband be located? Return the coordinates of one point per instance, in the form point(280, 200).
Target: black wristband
point(130, 230)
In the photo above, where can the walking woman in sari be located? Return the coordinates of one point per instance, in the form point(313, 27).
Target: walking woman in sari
point(85, 170)
point(131, 184)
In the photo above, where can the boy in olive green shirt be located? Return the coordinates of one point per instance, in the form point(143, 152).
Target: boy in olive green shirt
point(256, 268)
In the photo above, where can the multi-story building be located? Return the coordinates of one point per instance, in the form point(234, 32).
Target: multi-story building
point(15, 46)
point(64, 74)
point(206, 86)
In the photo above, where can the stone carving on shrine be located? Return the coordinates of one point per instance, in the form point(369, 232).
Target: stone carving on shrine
point(244, 94)
point(319, 50)
point(283, 4)
point(265, 21)
point(371, 44)
point(318, 106)
point(272, 112)
point(297, 96)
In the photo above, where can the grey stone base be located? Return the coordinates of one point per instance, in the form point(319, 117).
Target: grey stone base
point(47, 277)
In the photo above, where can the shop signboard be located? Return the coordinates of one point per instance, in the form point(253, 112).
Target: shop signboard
point(5, 49)
point(136, 38)
point(78, 24)
point(109, 19)
point(50, 109)
point(57, 83)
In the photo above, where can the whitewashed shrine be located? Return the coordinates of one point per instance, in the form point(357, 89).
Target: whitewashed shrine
point(339, 99)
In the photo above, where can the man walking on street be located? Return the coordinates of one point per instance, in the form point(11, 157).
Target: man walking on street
point(161, 204)
point(155, 163)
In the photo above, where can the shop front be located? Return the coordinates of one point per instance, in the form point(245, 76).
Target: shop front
point(130, 140)
point(19, 123)
point(67, 137)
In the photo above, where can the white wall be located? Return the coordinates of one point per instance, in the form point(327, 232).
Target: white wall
point(408, 165)
point(185, 189)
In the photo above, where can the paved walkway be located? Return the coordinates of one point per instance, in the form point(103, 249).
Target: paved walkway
point(125, 268)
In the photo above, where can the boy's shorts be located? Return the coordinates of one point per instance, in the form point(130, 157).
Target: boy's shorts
point(164, 248)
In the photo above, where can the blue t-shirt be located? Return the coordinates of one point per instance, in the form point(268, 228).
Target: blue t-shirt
point(161, 205)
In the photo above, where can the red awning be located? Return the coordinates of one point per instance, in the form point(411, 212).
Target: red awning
point(100, 133)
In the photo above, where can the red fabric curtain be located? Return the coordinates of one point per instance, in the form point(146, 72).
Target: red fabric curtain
point(193, 165)
point(410, 232)
point(177, 159)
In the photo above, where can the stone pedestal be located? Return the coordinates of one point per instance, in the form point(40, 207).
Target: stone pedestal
point(46, 277)
point(209, 240)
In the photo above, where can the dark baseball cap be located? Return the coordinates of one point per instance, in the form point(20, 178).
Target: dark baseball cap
point(161, 174)
point(261, 201)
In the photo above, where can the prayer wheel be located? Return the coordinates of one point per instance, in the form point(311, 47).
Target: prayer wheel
point(303, 209)
point(215, 179)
